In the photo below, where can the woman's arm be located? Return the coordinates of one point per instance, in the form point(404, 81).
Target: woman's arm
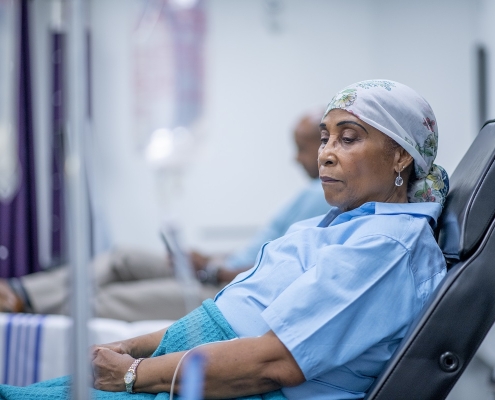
point(233, 368)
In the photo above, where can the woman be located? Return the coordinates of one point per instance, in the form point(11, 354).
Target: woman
point(327, 304)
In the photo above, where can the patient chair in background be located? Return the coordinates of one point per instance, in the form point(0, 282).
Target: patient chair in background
point(446, 335)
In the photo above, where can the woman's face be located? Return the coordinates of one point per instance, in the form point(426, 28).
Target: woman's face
point(355, 164)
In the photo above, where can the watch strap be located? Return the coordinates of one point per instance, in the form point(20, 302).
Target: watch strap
point(129, 384)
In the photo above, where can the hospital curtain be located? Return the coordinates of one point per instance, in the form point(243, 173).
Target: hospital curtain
point(18, 219)
point(58, 245)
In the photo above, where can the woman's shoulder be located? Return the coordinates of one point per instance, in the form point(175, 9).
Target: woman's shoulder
point(421, 211)
point(402, 224)
point(409, 234)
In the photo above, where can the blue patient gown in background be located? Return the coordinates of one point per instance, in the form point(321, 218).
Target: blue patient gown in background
point(309, 203)
point(203, 325)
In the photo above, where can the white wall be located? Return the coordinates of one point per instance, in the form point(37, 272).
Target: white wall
point(257, 84)
point(485, 30)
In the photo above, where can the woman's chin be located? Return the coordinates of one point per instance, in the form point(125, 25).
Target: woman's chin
point(334, 203)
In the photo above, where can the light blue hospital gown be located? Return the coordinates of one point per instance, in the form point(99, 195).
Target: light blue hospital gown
point(340, 293)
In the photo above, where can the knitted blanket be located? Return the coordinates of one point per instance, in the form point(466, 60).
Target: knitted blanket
point(205, 324)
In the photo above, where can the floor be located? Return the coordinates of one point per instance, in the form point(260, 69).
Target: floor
point(474, 383)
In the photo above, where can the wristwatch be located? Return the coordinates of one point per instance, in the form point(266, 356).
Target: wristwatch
point(130, 376)
point(210, 273)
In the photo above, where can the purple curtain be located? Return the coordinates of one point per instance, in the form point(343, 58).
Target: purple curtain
point(58, 248)
point(18, 223)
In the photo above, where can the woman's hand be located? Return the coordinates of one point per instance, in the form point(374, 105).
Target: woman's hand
point(198, 260)
point(9, 301)
point(109, 368)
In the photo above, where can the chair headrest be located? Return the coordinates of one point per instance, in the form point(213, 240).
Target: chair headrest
point(470, 205)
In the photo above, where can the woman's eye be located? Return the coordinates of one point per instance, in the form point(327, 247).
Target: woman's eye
point(324, 141)
point(348, 140)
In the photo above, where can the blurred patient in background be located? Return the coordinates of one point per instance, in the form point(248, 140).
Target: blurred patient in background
point(309, 202)
point(133, 285)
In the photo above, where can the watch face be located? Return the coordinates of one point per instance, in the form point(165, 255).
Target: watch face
point(129, 377)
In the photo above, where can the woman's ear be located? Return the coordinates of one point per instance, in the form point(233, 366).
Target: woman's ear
point(402, 159)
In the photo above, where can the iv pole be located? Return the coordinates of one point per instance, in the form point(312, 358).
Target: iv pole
point(77, 207)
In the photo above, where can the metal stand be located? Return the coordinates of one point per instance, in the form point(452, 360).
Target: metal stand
point(492, 384)
point(77, 208)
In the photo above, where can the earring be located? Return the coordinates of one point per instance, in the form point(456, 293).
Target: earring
point(399, 181)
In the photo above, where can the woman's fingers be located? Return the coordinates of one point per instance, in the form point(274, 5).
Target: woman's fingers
point(117, 347)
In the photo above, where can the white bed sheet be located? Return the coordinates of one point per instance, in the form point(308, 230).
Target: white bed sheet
point(36, 347)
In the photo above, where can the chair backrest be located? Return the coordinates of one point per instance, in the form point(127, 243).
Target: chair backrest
point(446, 335)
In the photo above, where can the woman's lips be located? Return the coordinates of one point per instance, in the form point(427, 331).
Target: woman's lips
point(327, 179)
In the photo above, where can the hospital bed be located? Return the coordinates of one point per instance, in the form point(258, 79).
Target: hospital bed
point(36, 347)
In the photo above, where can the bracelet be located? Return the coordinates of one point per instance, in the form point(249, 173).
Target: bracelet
point(209, 274)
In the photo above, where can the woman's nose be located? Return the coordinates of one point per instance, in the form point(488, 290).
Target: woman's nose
point(326, 155)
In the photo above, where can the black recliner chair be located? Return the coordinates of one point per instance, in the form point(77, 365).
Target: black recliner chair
point(446, 335)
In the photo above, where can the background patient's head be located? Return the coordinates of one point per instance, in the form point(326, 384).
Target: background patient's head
point(307, 139)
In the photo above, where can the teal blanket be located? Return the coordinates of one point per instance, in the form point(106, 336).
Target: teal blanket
point(203, 325)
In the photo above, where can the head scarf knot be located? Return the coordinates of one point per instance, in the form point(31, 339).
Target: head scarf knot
point(402, 114)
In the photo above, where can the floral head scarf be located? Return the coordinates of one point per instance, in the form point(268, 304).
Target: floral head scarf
point(402, 114)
